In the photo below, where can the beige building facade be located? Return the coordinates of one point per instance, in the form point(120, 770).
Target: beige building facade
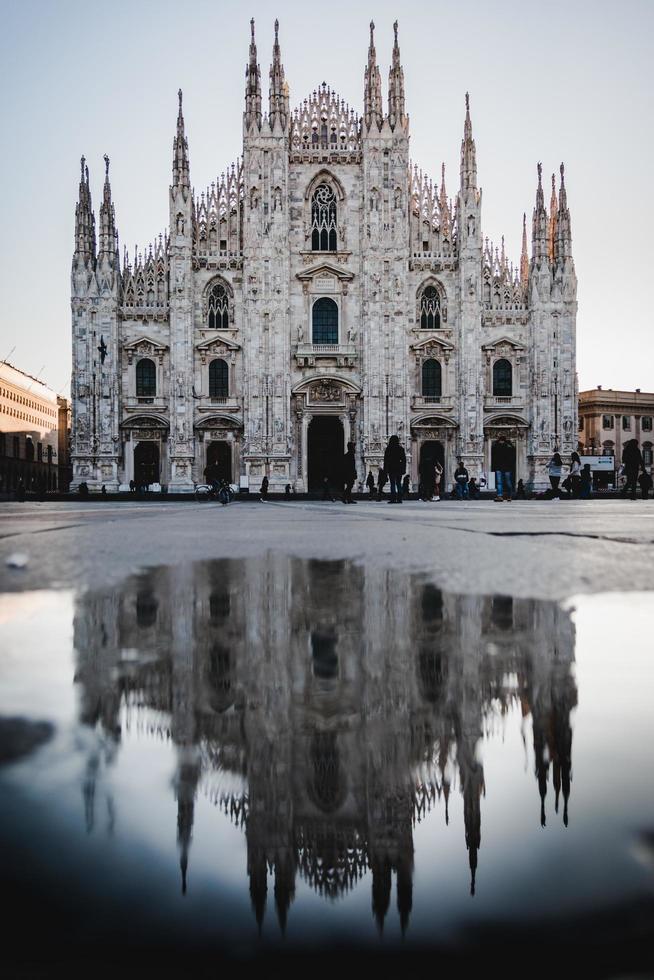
point(323, 289)
point(29, 427)
point(608, 419)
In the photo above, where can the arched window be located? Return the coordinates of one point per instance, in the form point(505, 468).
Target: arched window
point(218, 379)
point(218, 308)
point(146, 378)
point(431, 379)
point(430, 309)
point(323, 219)
point(502, 378)
point(324, 324)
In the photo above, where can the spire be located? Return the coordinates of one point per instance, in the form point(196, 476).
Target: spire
point(468, 153)
point(278, 93)
point(84, 220)
point(396, 114)
point(372, 98)
point(180, 151)
point(539, 229)
point(252, 86)
point(108, 234)
point(524, 255)
point(551, 234)
point(563, 239)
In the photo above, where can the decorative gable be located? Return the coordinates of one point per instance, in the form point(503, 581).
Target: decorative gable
point(217, 346)
point(145, 347)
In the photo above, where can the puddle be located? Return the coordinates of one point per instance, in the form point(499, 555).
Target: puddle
point(283, 755)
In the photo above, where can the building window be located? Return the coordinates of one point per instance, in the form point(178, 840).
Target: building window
point(218, 379)
point(431, 379)
point(324, 324)
point(646, 423)
point(607, 421)
point(218, 308)
point(502, 378)
point(581, 423)
point(647, 453)
point(146, 378)
point(323, 219)
point(430, 309)
point(626, 423)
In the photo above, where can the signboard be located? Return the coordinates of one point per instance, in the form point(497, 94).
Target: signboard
point(599, 464)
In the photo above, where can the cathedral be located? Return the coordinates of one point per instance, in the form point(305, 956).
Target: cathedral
point(322, 290)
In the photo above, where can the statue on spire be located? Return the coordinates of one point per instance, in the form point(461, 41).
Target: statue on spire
point(372, 97)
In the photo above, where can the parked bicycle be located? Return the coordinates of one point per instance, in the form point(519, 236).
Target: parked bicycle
point(221, 491)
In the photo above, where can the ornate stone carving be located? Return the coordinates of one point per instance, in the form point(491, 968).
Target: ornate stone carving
point(325, 391)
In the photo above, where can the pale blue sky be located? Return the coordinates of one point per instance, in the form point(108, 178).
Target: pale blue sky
point(549, 81)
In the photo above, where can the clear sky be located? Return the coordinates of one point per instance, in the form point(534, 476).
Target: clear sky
point(567, 80)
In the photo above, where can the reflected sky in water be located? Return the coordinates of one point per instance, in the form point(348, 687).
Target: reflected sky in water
point(246, 755)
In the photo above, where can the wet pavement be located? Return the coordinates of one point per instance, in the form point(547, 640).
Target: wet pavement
point(286, 755)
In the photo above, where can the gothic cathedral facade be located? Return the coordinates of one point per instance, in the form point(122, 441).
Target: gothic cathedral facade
point(322, 290)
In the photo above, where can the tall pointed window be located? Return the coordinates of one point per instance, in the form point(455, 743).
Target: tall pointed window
point(218, 308)
point(431, 379)
point(146, 378)
point(323, 219)
point(430, 309)
point(324, 322)
point(218, 379)
point(502, 378)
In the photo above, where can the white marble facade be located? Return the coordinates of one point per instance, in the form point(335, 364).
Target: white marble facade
point(321, 290)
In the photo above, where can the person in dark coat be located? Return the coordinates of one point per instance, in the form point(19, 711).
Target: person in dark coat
point(461, 478)
point(427, 477)
point(632, 460)
point(326, 489)
point(370, 483)
point(406, 486)
point(349, 474)
point(264, 488)
point(473, 489)
point(382, 480)
point(645, 483)
point(395, 466)
point(503, 468)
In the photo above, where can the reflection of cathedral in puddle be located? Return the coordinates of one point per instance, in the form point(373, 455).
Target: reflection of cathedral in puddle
point(347, 701)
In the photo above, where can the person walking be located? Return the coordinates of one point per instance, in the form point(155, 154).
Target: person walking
point(645, 483)
point(427, 477)
point(632, 460)
point(349, 474)
point(264, 489)
point(370, 483)
point(575, 475)
point(461, 481)
point(555, 469)
point(437, 481)
point(395, 466)
point(503, 469)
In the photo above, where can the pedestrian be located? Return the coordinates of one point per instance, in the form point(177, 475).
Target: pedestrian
point(632, 460)
point(382, 479)
point(370, 483)
point(461, 481)
point(645, 483)
point(503, 453)
point(326, 489)
point(132, 486)
point(104, 490)
point(427, 477)
point(586, 482)
point(287, 489)
point(264, 489)
point(437, 482)
point(395, 466)
point(473, 489)
point(349, 474)
point(555, 469)
point(575, 475)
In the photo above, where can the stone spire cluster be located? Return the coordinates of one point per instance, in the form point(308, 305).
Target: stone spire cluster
point(252, 86)
point(551, 237)
point(373, 113)
point(108, 254)
point(278, 110)
point(396, 114)
point(84, 222)
point(468, 153)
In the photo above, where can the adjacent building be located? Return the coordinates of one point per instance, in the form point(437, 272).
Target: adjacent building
point(29, 432)
point(322, 289)
point(608, 419)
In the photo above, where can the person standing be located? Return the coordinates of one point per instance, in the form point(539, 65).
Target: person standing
point(349, 474)
point(586, 482)
point(644, 482)
point(461, 481)
point(427, 477)
point(370, 483)
point(381, 482)
point(264, 489)
point(503, 469)
point(473, 489)
point(632, 460)
point(555, 469)
point(395, 466)
point(575, 475)
point(437, 481)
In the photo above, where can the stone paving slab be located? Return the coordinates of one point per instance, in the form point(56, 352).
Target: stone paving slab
point(544, 549)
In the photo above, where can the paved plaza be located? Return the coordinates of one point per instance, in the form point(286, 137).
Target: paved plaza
point(540, 549)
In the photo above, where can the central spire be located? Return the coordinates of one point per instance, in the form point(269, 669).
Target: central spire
point(180, 150)
point(468, 152)
point(278, 93)
point(372, 97)
point(252, 85)
point(539, 226)
point(396, 87)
